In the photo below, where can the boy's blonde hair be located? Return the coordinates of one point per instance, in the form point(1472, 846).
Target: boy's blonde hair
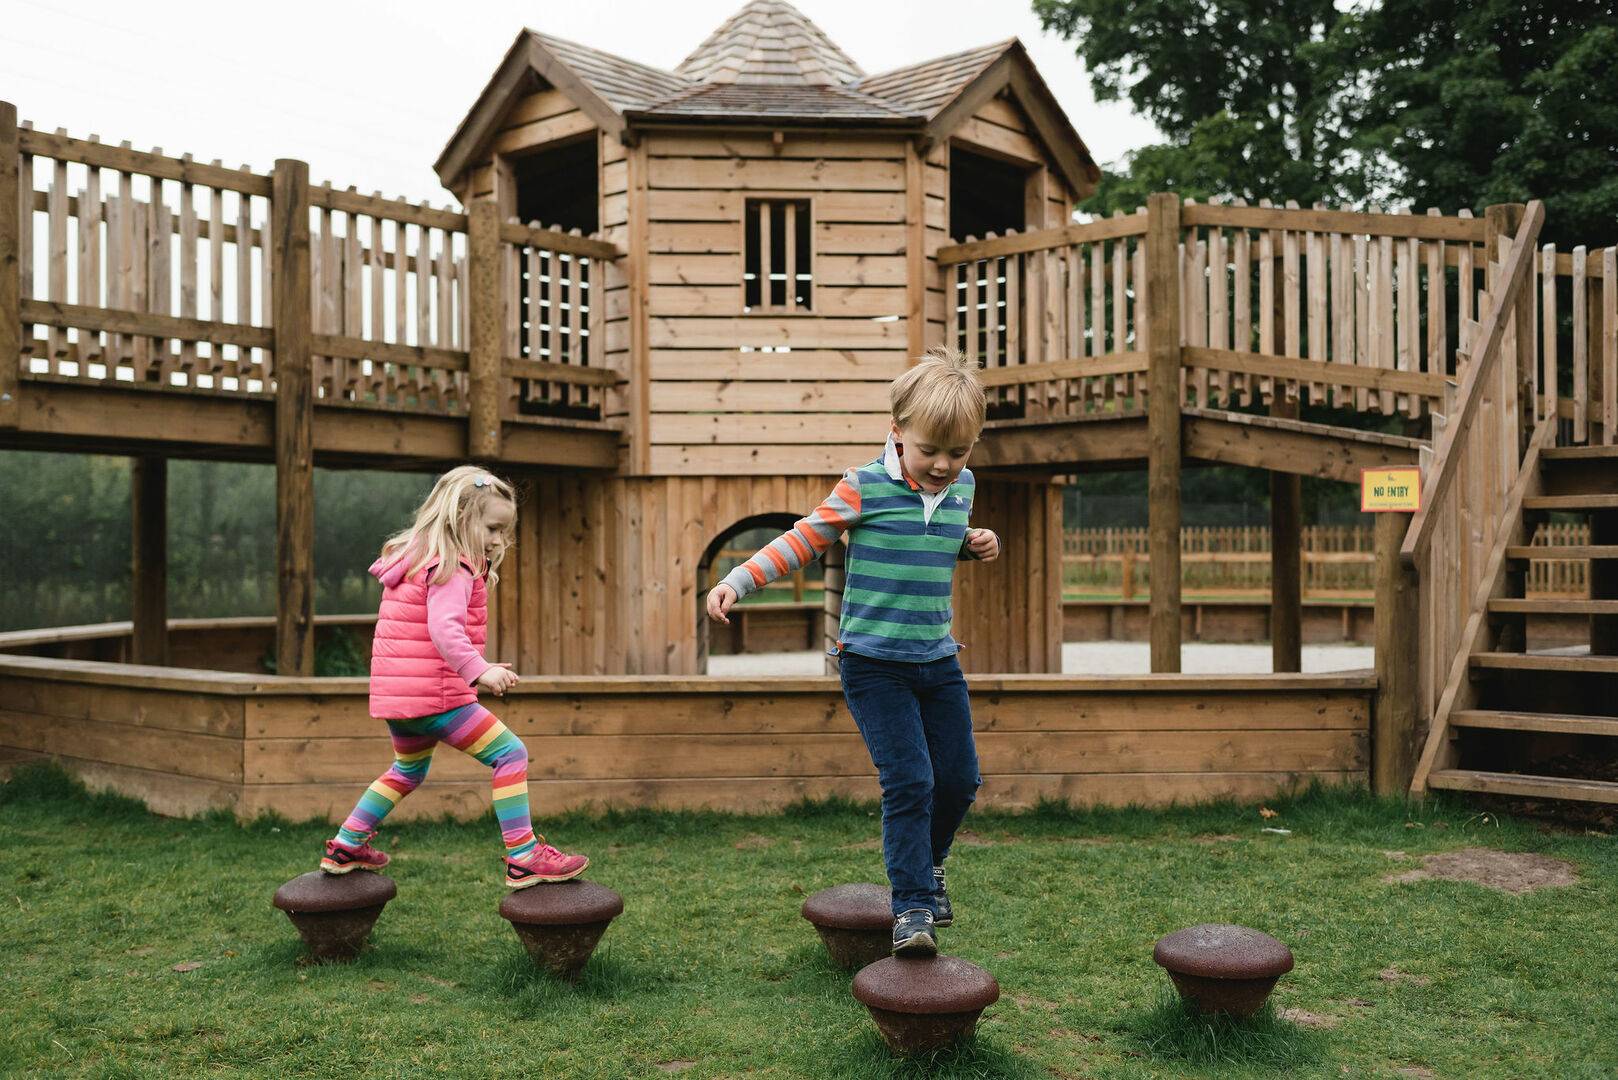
point(941, 398)
point(443, 520)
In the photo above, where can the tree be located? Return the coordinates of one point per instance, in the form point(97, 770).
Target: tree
point(1242, 89)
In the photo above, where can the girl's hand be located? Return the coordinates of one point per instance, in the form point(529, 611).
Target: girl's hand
point(498, 679)
point(720, 601)
point(983, 544)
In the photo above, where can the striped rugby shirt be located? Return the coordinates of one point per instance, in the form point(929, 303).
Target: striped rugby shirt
point(901, 559)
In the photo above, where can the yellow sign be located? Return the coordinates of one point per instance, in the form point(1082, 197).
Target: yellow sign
point(1383, 490)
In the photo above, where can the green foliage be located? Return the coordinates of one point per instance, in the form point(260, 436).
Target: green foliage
point(66, 547)
point(1431, 103)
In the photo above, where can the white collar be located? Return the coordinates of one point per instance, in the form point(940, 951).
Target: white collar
point(890, 459)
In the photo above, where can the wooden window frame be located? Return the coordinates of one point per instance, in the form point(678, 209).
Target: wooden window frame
point(790, 307)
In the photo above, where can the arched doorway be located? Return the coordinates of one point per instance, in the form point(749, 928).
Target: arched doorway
point(819, 584)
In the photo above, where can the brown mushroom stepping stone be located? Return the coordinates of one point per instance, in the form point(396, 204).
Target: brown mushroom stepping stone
point(855, 921)
point(921, 1004)
point(1219, 968)
point(334, 913)
point(559, 924)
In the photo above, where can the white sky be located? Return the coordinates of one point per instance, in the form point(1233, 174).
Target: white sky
point(368, 92)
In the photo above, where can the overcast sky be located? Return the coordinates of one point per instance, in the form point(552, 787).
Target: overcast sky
point(368, 93)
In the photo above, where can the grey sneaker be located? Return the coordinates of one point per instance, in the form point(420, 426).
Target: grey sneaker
point(913, 933)
point(946, 912)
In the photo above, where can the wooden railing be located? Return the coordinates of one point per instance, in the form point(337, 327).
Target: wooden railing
point(1484, 461)
point(140, 270)
point(1055, 316)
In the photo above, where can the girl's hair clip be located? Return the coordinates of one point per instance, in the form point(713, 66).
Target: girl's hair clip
point(482, 481)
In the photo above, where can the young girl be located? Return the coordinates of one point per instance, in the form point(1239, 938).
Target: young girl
point(427, 666)
point(906, 518)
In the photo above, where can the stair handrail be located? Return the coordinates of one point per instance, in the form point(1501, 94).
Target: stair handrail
point(1441, 472)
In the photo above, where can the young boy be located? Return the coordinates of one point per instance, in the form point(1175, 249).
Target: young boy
point(906, 517)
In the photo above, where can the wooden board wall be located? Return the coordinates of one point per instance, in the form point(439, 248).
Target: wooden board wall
point(307, 748)
point(604, 575)
point(719, 402)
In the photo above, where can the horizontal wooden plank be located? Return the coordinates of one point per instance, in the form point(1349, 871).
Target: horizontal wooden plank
point(1042, 239)
point(1299, 452)
point(552, 240)
point(67, 148)
point(112, 320)
point(1005, 112)
point(666, 757)
point(1552, 606)
point(324, 197)
point(1562, 551)
point(726, 206)
point(805, 332)
point(758, 460)
point(1420, 226)
point(1075, 368)
point(540, 105)
point(694, 237)
point(1571, 503)
point(691, 269)
point(572, 374)
point(775, 174)
point(793, 144)
point(786, 397)
point(1600, 665)
point(726, 299)
point(541, 132)
point(383, 352)
point(162, 792)
point(854, 238)
point(986, 136)
point(1533, 787)
point(771, 428)
point(708, 365)
point(1316, 371)
point(726, 269)
point(1556, 723)
point(213, 757)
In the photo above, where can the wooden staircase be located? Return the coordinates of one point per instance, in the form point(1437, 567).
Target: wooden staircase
point(1516, 705)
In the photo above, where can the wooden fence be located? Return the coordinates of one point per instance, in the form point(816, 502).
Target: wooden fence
point(1338, 561)
point(143, 270)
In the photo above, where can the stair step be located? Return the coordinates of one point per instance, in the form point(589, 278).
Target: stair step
point(1547, 662)
point(1558, 723)
point(1544, 787)
point(1571, 502)
point(1554, 607)
point(1579, 453)
point(1563, 551)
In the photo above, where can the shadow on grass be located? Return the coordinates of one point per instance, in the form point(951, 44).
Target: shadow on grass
point(527, 989)
point(867, 1056)
point(1171, 1031)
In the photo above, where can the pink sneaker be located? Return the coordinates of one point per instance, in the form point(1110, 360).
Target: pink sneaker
point(544, 863)
point(341, 858)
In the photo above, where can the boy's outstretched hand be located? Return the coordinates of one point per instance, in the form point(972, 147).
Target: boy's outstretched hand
point(720, 601)
point(498, 679)
point(983, 544)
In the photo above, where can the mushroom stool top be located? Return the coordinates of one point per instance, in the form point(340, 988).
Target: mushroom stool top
point(562, 903)
point(926, 986)
point(862, 906)
point(1222, 951)
point(319, 892)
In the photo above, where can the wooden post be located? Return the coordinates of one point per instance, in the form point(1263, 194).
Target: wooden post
point(294, 422)
point(1503, 221)
point(486, 300)
point(1163, 426)
point(1286, 565)
point(11, 224)
point(1603, 578)
point(149, 577)
point(1396, 709)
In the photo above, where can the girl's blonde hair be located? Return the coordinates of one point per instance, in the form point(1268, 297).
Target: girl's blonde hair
point(438, 535)
point(941, 398)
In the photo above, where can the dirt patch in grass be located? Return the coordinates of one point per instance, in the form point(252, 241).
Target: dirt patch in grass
point(873, 844)
point(754, 842)
point(1305, 1018)
point(968, 838)
point(675, 1066)
point(1216, 838)
point(1394, 975)
point(1515, 872)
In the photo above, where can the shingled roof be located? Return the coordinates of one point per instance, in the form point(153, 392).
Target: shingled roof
point(768, 63)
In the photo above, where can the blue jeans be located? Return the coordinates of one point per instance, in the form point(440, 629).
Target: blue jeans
point(917, 724)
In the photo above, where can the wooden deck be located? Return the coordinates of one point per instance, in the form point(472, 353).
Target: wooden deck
point(189, 741)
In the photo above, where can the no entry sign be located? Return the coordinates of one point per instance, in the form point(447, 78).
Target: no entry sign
point(1383, 490)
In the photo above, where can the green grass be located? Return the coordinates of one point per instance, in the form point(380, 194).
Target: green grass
point(711, 963)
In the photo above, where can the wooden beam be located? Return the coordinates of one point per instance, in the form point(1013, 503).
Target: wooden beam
point(1039, 240)
point(554, 240)
point(915, 251)
point(1396, 711)
point(1064, 445)
point(1163, 426)
point(11, 222)
point(1420, 226)
point(1286, 571)
point(1300, 448)
point(148, 515)
point(576, 90)
point(484, 253)
point(1061, 141)
point(969, 99)
point(514, 73)
point(1302, 370)
point(635, 275)
point(294, 422)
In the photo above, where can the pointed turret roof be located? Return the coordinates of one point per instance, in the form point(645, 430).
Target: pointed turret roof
point(769, 64)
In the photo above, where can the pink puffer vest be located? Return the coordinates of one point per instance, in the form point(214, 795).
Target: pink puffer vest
point(409, 678)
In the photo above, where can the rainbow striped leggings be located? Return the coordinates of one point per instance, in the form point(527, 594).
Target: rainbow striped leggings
point(471, 729)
